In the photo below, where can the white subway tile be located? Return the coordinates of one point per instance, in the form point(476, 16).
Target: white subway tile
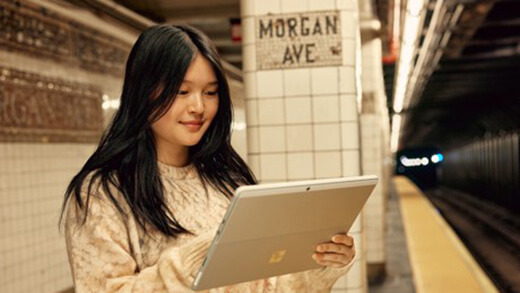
point(272, 138)
point(267, 6)
point(253, 140)
point(325, 108)
point(254, 163)
point(298, 110)
point(297, 81)
point(349, 135)
point(247, 7)
point(300, 166)
point(324, 80)
point(252, 112)
point(248, 30)
point(299, 138)
point(328, 164)
point(349, 26)
point(292, 6)
point(273, 167)
point(354, 276)
point(327, 137)
point(346, 5)
point(271, 111)
point(250, 88)
point(351, 163)
point(317, 5)
point(347, 80)
point(349, 53)
point(249, 58)
point(269, 84)
point(348, 108)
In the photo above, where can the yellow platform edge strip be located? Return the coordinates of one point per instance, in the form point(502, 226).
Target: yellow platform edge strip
point(407, 192)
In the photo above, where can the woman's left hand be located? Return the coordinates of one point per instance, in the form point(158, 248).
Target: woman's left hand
point(337, 253)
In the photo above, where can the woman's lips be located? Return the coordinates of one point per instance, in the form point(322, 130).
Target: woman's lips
point(192, 125)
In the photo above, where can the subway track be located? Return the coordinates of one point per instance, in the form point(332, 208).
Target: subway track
point(490, 232)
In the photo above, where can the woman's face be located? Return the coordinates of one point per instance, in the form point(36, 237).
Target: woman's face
point(192, 110)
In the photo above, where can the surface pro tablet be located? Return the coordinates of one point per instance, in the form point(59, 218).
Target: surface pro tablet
point(273, 229)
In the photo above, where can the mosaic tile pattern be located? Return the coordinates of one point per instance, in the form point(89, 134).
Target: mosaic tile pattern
point(298, 40)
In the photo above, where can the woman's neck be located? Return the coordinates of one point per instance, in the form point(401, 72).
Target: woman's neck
point(173, 156)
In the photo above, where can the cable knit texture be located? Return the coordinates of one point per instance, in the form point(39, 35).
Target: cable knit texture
point(112, 253)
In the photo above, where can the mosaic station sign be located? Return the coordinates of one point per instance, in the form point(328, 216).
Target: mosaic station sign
point(298, 40)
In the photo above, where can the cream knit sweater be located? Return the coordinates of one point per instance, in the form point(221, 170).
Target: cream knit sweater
point(111, 253)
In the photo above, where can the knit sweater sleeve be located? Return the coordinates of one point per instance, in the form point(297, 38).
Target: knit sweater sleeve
point(101, 260)
point(315, 281)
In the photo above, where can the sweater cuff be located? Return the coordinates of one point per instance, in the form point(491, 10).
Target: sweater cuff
point(198, 250)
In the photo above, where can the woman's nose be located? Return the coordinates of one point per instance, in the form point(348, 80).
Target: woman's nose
point(196, 105)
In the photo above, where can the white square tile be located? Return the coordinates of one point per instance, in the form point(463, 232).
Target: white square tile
point(348, 108)
point(349, 52)
point(253, 140)
point(298, 110)
point(250, 85)
point(299, 138)
point(351, 163)
point(349, 27)
point(247, 8)
point(349, 135)
point(317, 5)
point(328, 164)
point(273, 167)
point(297, 81)
point(324, 80)
point(300, 166)
point(327, 137)
point(249, 58)
point(269, 84)
point(346, 5)
point(347, 80)
point(325, 108)
point(291, 6)
point(271, 111)
point(267, 6)
point(254, 163)
point(248, 30)
point(272, 139)
point(252, 112)
point(354, 276)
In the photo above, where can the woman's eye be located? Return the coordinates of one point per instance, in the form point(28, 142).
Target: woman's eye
point(182, 92)
point(211, 93)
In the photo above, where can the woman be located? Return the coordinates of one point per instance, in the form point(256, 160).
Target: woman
point(141, 213)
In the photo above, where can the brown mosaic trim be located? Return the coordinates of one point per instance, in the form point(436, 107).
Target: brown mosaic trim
point(35, 108)
point(31, 29)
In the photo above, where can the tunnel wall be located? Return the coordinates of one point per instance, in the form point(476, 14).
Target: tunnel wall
point(487, 168)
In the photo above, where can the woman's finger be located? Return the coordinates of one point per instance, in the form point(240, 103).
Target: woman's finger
point(343, 239)
point(332, 248)
point(334, 257)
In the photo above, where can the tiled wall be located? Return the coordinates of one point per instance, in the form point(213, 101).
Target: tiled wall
point(303, 123)
point(33, 176)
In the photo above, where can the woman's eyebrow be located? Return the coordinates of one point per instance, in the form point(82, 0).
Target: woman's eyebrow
point(209, 83)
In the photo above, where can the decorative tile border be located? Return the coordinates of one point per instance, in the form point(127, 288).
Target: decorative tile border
point(31, 29)
point(35, 108)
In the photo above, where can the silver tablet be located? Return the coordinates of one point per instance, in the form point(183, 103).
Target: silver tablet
point(273, 229)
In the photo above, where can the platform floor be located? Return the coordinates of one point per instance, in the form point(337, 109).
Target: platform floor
point(439, 261)
point(398, 273)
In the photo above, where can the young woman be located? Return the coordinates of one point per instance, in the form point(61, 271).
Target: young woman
point(141, 213)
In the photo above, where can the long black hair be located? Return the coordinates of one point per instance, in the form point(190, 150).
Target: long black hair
point(126, 156)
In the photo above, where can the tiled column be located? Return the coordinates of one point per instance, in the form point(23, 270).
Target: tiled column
point(374, 145)
point(303, 121)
